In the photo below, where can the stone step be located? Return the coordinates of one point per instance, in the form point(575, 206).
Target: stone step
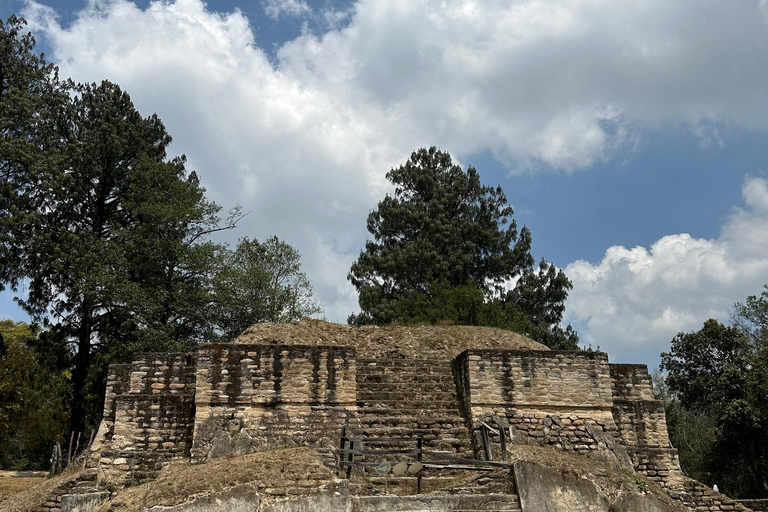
point(430, 360)
point(439, 436)
point(408, 366)
point(422, 381)
point(398, 409)
point(397, 396)
point(407, 384)
point(420, 373)
point(383, 369)
point(434, 502)
point(406, 407)
point(424, 419)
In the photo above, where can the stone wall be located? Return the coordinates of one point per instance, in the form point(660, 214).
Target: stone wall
point(543, 397)
point(573, 401)
point(152, 416)
point(118, 382)
point(642, 424)
point(698, 496)
point(754, 505)
point(252, 397)
point(239, 398)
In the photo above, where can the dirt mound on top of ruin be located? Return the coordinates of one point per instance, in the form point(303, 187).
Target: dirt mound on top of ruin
point(390, 340)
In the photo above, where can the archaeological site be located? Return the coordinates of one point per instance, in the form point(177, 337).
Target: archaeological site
point(326, 417)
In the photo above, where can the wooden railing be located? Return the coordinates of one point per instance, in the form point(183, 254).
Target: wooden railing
point(357, 452)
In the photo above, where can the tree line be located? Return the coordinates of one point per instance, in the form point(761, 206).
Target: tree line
point(108, 242)
point(715, 387)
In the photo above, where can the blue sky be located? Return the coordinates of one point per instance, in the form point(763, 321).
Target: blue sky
point(630, 137)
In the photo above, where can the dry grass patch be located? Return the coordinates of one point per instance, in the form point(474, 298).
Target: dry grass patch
point(180, 481)
point(34, 494)
point(390, 340)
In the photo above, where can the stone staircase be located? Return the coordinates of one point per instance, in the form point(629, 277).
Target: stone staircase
point(408, 398)
point(411, 397)
point(437, 502)
point(81, 487)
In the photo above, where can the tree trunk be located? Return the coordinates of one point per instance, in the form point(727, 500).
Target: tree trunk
point(82, 361)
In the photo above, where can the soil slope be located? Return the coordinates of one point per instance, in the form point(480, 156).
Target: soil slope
point(390, 341)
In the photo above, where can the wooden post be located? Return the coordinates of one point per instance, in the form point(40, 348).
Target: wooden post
point(77, 444)
point(53, 460)
point(362, 457)
point(349, 466)
point(88, 450)
point(342, 443)
point(419, 458)
point(503, 436)
point(69, 451)
point(486, 442)
point(58, 454)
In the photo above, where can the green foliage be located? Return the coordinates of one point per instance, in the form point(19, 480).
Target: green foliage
point(261, 282)
point(707, 368)
point(751, 317)
point(110, 237)
point(717, 406)
point(444, 248)
point(33, 396)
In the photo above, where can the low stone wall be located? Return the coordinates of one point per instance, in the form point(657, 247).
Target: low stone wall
point(543, 488)
point(698, 496)
point(546, 397)
point(253, 397)
point(642, 424)
point(754, 505)
point(118, 382)
point(152, 420)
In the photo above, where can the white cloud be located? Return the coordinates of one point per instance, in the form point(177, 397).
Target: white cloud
point(277, 8)
point(305, 143)
point(638, 299)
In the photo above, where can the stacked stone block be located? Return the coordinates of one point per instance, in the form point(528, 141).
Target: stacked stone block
point(118, 382)
point(236, 399)
point(152, 419)
point(552, 398)
point(255, 397)
point(698, 497)
point(399, 397)
point(642, 424)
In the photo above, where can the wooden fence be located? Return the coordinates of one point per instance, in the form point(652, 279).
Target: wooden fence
point(358, 452)
point(61, 461)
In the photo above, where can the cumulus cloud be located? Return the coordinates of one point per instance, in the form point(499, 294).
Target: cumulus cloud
point(637, 299)
point(304, 139)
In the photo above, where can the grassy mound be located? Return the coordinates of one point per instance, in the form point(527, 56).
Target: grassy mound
point(389, 341)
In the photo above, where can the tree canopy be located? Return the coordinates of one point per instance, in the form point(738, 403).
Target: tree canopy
point(445, 247)
point(33, 384)
point(109, 237)
point(717, 409)
point(261, 282)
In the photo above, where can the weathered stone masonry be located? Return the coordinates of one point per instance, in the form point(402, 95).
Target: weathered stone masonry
point(252, 397)
point(232, 399)
point(569, 400)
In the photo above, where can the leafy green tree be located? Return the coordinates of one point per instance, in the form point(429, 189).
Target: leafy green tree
point(444, 248)
point(31, 99)
point(707, 368)
point(106, 233)
point(33, 397)
point(261, 282)
point(751, 317)
point(718, 406)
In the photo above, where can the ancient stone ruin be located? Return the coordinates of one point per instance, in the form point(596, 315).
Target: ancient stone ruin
point(274, 391)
